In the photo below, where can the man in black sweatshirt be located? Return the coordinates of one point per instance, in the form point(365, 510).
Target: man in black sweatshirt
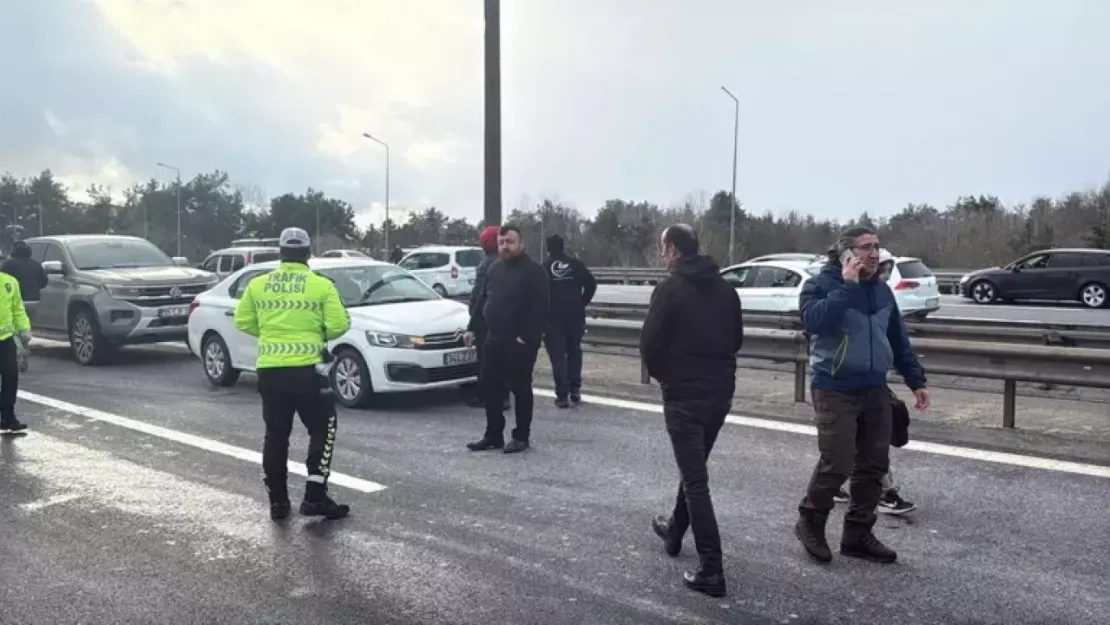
point(28, 272)
point(689, 342)
point(514, 307)
point(572, 287)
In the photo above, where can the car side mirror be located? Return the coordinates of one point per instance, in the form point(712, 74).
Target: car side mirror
point(181, 261)
point(54, 267)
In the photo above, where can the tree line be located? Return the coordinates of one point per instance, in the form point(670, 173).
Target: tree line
point(974, 231)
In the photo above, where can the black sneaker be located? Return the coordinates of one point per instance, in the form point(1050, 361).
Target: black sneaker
point(892, 503)
point(515, 446)
point(576, 398)
point(484, 444)
point(561, 402)
point(841, 496)
point(12, 426)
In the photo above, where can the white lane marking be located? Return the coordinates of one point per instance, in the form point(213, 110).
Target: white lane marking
point(34, 506)
point(254, 457)
point(969, 453)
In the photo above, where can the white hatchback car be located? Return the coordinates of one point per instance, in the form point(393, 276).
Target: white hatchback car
point(774, 286)
point(403, 336)
point(450, 270)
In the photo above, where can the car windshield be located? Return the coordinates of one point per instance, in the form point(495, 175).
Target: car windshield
point(117, 254)
point(370, 285)
point(813, 270)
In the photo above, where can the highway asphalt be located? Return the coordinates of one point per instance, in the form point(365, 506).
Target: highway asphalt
point(951, 306)
point(107, 520)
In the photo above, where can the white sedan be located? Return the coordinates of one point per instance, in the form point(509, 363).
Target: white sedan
point(403, 336)
point(774, 286)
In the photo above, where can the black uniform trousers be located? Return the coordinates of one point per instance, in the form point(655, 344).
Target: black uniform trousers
point(507, 366)
point(693, 425)
point(299, 390)
point(9, 378)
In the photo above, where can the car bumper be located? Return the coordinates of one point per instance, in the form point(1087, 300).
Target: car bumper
point(918, 304)
point(122, 322)
point(401, 370)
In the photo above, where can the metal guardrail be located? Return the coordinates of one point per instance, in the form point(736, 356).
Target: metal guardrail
point(934, 327)
point(1010, 363)
point(948, 280)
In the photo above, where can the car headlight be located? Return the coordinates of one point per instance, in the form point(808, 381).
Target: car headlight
point(121, 292)
point(392, 339)
point(965, 278)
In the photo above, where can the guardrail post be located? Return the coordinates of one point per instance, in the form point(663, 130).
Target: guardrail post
point(644, 377)
point(1009, 402)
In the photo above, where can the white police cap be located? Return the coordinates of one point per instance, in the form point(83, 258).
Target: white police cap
point(294, 238)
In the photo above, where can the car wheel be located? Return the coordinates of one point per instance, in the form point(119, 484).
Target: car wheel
point(439, 289)
point(1094, 295)
point(217, 361)
point(88, 344)
point(350, 379)
point(984, 292)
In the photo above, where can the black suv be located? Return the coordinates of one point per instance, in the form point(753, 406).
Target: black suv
point(1064, 274)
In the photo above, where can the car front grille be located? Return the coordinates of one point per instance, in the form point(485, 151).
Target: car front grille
point(170, 295)
point(443, 340)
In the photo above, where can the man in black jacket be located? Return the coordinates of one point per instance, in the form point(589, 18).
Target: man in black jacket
point(689, 342)
point(514, 305)
point(28, 271)
point(572, 287)
point(488, 240)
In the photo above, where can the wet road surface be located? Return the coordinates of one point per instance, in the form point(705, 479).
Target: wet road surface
point(110, 520)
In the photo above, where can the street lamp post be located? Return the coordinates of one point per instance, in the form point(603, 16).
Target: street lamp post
point(492, 96)
point(385, 228)
point(178, 203)
point(735, 147)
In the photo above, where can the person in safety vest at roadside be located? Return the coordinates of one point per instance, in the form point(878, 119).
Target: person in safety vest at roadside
point(14, 327)
point(294, 312)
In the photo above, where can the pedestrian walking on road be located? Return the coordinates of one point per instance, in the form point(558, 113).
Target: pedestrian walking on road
point(488, 241)
point(856, 334)
point(294, 312)
point(15, 327)
point(514, 305)
point(572, 288)
point(689, 342)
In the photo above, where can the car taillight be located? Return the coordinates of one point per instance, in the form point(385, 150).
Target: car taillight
point(454, 272)
point(193, 305)
point(906, 285)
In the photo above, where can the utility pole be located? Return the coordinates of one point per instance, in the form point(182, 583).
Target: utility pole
point(492, 63)
point(178, 203)
point(39, 196)
point(386, 224)
point(735, 147)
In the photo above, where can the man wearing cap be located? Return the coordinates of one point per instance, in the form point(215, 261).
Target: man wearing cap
point(488, 240)
point(572, 286)
point(294, 312)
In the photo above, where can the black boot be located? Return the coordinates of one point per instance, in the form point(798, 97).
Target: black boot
point(317, 503)
point(561, 402)
point(705, 581)
point(810, 530)
point(11, 425)
point(485, 444)
point(279, 498)
point(661, 525)
point(868, 547)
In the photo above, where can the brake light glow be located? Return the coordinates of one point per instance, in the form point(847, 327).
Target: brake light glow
point(454, 272)
point(906, 285)
point(193, 305)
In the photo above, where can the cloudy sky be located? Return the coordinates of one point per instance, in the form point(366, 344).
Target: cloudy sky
point(846, 105)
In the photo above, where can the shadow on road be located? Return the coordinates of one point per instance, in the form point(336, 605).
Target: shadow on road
point(125, 356)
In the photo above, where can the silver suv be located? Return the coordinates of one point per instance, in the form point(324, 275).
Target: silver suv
point(106, 291)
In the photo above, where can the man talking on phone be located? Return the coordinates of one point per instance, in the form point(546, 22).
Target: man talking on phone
point(856, 334)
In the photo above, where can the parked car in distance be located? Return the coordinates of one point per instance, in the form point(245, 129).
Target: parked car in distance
point(227, 261)
point(1075, 274)
point(343, 254)
point(106, 291)
point(403, 336)
point(449, 270)
point(774, 286)
point(789, 256)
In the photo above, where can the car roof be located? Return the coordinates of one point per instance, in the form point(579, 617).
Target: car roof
point(1071, 250)
point(245, 249)
point(442, 248)
point(328, 263)
point(793, 265)
point(67, 238)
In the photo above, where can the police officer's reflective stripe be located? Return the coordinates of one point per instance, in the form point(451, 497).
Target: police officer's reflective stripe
point(290, 349)
point(281, 304)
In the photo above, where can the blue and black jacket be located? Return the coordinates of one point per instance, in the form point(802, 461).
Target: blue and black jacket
point(856, 333)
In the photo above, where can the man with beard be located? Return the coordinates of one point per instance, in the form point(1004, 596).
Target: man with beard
point(514, 306)
point(689, 342)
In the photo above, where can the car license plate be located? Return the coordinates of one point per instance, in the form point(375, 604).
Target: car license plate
point(460, 357)
point(173, 311)
point(932, 302)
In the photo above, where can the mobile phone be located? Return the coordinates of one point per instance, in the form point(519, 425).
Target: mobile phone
point(846, 256)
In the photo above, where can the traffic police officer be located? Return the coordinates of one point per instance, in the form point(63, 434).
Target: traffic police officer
point(294, 312)
point(14, 326)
